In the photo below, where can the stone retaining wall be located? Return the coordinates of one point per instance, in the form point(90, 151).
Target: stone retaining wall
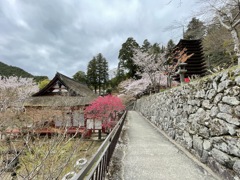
point(204, 117)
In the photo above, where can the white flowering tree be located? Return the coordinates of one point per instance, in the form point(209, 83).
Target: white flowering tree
point(135, 87)
point(14, 90)
point(152, 65)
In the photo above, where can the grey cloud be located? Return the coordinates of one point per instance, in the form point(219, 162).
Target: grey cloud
point(47, 36)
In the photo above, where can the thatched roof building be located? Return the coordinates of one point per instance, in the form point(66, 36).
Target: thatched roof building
point(61, 91)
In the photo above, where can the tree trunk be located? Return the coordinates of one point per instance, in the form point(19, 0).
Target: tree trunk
point(234, 33)
point(235, 37)
point(169, 81)
point(95, 89)
point(99, 134)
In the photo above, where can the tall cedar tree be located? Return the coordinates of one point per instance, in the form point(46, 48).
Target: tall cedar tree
point(92, 80)
point(102, 72)
point(105, 74)
point(126, 58)
point(97, 73)
point(195, 29)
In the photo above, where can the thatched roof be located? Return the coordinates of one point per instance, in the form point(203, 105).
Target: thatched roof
point(62, 91)
point(73, 87)
point(58, 101)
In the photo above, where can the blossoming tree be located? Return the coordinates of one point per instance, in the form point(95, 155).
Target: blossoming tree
point(150, 64)
point(157, 67)
point(14, 90)
point(105, 109)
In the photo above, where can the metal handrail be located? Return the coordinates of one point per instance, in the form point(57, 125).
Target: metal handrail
point(98, 164)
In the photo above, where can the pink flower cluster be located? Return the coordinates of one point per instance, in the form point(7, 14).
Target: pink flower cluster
point(105, 109)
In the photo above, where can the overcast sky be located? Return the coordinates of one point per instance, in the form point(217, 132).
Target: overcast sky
point(45, 36)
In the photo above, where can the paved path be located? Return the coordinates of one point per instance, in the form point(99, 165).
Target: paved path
point(149, 155)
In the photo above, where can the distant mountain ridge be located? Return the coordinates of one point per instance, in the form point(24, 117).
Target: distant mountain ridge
point(7, 70)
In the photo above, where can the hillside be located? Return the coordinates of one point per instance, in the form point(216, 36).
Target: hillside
point(6, 70)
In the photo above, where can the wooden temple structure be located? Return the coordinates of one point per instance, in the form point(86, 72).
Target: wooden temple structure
point(195, 64)
point(59, 104)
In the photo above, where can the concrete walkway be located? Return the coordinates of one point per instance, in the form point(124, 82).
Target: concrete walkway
point(149, 155)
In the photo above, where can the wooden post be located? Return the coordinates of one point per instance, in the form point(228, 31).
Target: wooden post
point(99, 134)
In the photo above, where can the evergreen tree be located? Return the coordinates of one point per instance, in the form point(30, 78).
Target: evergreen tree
point(6, 70)
point(92, 80)
point(126, 57)
point(120, 75)
point(169, 49)
point(97, 73)
point(102, 72)
point(195, 29)
point(99, 61)
point(146, 46)
point(105, 75)
point(80, 76)
point(162, 49)
point(155, 49)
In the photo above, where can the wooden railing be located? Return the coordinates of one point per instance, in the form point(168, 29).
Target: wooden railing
point(97, 166)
